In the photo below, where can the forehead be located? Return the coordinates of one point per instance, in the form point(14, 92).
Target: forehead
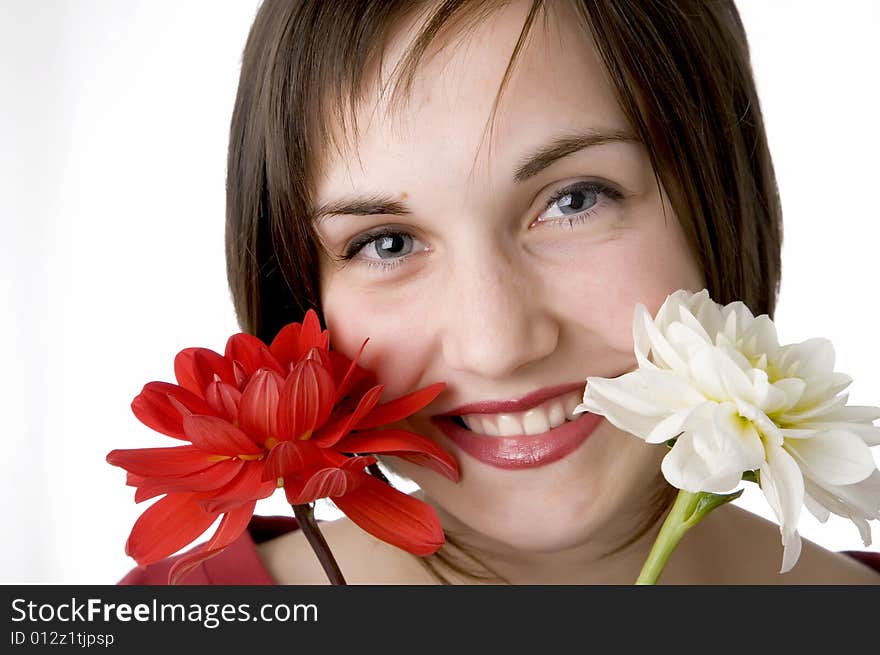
point(558, 86)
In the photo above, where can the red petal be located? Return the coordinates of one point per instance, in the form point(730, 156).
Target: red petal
point(216, 436)
point(293, 341)
point(251, 353)
point(258, 410)
point(336, 430)
point(178, 460)
point(329, 482)
point(401, 407)
point(195, 369)
point(167, 526)
point(207, 480)
point(406, 445)
point(312, 336)
point(347, 374)
point(292, 458)
point(231, 527)
point(223, 399)
point(241, 376)
point(393, 516)
point(306, 400)
point(285, 346)
point(154, 409)
point(248, 485)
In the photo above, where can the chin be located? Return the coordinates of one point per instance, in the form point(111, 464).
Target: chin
point(597, 498)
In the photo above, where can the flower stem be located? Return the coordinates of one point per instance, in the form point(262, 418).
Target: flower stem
point(688, 509)
point(305, 515)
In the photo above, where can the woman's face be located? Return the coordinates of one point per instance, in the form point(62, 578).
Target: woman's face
point(505, 273)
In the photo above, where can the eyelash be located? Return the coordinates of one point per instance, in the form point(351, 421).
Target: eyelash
point(362, 241)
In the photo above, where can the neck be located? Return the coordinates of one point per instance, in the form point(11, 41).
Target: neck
point(472, 558)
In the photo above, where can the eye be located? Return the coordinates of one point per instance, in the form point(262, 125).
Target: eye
point(577, 203)
point(386, 247)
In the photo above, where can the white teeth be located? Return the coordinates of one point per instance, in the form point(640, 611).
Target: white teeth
point(537, 420)
point(509, 424)
point(557, 414)
point(481, 424)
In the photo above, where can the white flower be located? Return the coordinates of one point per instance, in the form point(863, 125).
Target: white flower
point(717, 381)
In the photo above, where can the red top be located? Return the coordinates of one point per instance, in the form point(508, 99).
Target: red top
point(240, 564)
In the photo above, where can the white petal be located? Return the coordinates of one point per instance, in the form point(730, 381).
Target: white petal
point(813, 357)
point(708, 313)
point(858, 413)
point(799, 433)
point(868, 433)
point(864, 529)
point(768, 397)
point(626, 411)
point(668, 311)
point(717, 377)
point(793, 388)
point(665, 356)
point(802, 412)
point(685, 340)
point(783, 485)
point(835, 457)
point(727, 441)
point(791, 551)
point(732, 353)
point(820, 388)
point(737, 318)
point(816, 508)
point(716, 448)
point(690, 321)
point(763, 423)
point(669, 427)
point(858, 502)
point(684, 469)
point(641, 340)
point(762, 332)
point(860, 499)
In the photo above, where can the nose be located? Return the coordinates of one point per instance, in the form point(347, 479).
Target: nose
point(497, 319)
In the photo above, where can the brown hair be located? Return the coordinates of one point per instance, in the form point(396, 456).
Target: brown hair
point(682, 75)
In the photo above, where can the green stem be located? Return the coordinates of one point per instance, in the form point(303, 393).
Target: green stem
point(305, 516)
point(671, 532)
point(688, 509)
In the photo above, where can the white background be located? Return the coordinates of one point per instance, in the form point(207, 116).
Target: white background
point(113, 136)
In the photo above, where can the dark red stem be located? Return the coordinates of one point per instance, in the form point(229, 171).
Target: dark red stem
point(305, 516)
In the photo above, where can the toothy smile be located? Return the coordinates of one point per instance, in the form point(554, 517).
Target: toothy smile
point(537, 420)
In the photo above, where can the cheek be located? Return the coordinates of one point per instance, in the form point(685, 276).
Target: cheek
point(396, 345)
point(637, 267)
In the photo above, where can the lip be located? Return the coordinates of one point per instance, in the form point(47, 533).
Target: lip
point(528, 401)
point(521, 451)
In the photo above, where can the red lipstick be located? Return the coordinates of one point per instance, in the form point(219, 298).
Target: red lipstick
point(523, 450)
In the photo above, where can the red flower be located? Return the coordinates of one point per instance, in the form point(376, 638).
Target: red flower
point(292, 415)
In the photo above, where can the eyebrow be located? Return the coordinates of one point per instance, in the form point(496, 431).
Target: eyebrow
point(532, 164)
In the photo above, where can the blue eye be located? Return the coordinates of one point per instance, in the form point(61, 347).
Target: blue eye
point(389, 243)
point(576, 203)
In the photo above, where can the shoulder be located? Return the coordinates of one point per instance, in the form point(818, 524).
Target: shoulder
point(821, 566)
point(752, 554)
point(362, 558)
